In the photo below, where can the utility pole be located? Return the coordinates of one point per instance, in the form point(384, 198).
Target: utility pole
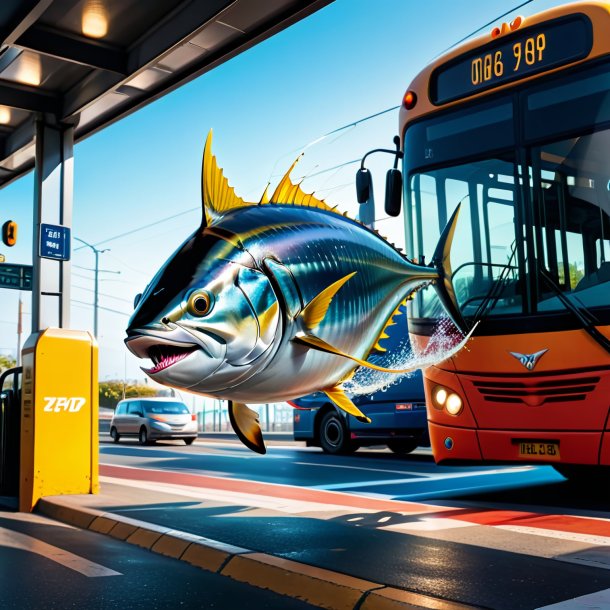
point(19, 330)
point(96, 270)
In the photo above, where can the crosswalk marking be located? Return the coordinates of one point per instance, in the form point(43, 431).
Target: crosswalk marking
point(16, 540)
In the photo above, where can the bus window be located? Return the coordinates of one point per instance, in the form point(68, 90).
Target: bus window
point(483, 254)
point(572, 218)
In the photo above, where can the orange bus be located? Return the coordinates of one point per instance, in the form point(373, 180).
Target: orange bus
point(515, 126)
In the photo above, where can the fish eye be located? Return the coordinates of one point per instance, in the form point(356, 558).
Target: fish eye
point(199, 304)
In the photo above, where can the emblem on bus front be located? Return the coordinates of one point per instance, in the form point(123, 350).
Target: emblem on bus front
point(529, 361)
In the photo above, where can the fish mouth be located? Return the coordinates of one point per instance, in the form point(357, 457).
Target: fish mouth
point(168, 347)
point(164, 356)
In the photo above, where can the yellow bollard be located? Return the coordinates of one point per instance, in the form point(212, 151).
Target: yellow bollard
point(59, 416)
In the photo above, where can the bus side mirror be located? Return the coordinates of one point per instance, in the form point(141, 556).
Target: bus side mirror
point(393, 192)
point(363, 185)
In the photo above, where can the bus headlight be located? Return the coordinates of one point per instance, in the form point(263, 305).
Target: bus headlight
point(444, 398)
point(454, 404)
point(439, 397)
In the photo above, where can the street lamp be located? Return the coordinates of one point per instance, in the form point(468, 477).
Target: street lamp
point(97, 271)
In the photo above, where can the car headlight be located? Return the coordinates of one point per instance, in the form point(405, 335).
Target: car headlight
point(159, 426)
point(444, 398)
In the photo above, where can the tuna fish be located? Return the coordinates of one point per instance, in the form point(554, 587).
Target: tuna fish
point(270, 301)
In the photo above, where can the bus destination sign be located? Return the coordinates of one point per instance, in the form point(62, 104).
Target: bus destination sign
point(515, 56)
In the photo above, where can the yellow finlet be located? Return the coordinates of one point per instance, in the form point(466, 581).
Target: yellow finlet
point(339, 398)
point(316, 309)
point(247, 427)
point(217, 195)
point(383, 335)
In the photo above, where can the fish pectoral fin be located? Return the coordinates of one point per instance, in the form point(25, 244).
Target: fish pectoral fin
point(316, 343)
point(247, 427)
point(339, 398)
point(314, 312)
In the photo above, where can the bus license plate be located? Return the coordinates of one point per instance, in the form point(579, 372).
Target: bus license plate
point(536, 449)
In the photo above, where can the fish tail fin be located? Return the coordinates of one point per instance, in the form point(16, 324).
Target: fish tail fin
point(441, 261)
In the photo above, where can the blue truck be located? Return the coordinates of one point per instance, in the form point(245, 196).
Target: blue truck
point(398, 417)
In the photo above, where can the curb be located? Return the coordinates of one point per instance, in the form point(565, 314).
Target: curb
point(316, 586)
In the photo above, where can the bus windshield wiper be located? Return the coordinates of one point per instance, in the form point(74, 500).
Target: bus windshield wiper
point(587, 320)
point(495, 290)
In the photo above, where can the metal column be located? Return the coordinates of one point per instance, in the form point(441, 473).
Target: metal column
point(53, 185)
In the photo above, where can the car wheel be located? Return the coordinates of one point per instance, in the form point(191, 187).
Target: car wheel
point(114, 434)
point(403, 446)
point(333, 434)
point(189, 441)
point(143, 436)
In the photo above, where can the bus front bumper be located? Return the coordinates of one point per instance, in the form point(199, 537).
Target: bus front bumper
point(451, 444)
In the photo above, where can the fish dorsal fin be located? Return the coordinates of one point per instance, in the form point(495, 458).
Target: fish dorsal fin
point(316, 309)
point(339, 398)
point(247, 427)
point(217, 194)
point(319, 344)
point(289, 193)
point(265, 198)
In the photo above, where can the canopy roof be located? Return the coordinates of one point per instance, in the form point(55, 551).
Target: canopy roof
point(92, 62)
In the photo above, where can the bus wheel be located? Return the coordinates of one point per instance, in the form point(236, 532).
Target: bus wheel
point(333, 434)
point(403, 446)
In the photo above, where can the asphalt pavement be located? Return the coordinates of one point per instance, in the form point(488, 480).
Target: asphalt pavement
point(372, 531)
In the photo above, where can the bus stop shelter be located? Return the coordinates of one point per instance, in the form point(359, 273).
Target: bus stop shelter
point(69, 68)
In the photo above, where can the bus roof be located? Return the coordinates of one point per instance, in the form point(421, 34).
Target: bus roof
point(598, 12)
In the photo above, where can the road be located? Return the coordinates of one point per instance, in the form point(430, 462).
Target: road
point(494, 537)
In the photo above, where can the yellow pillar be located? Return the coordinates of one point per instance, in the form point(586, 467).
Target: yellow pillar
point(59, 416)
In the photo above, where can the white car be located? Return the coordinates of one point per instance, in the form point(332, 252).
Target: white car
point(151, 419)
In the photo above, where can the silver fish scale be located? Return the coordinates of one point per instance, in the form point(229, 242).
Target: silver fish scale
point(319, 248)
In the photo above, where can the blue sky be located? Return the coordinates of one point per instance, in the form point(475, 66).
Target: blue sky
point(348, 61)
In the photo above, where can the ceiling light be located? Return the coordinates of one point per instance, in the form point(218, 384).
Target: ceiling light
point(5, 115)
point(29, 70)
point(95, 19)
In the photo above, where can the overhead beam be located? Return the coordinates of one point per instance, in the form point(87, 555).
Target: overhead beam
point(175, 28)
point(77, 49)
point(27, 13)
point(170, 32)
point(28, 98)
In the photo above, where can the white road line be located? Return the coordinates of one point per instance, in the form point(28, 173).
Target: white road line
point(560, 535)
point(77, 563)
point(417, 479)
point(419, 474)
point(594, 601)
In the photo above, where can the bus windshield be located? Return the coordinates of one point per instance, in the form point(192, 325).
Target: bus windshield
point(534, 226)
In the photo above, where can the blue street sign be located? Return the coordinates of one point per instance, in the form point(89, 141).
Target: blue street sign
point(54, 242)
point(18, 277)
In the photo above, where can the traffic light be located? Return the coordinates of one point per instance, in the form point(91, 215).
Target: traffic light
point(9, 233)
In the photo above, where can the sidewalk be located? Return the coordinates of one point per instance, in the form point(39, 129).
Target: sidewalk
point(105, 513)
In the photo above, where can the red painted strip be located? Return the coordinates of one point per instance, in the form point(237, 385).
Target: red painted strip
point(272, 490)
point(560, 523)
point(491, 517)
